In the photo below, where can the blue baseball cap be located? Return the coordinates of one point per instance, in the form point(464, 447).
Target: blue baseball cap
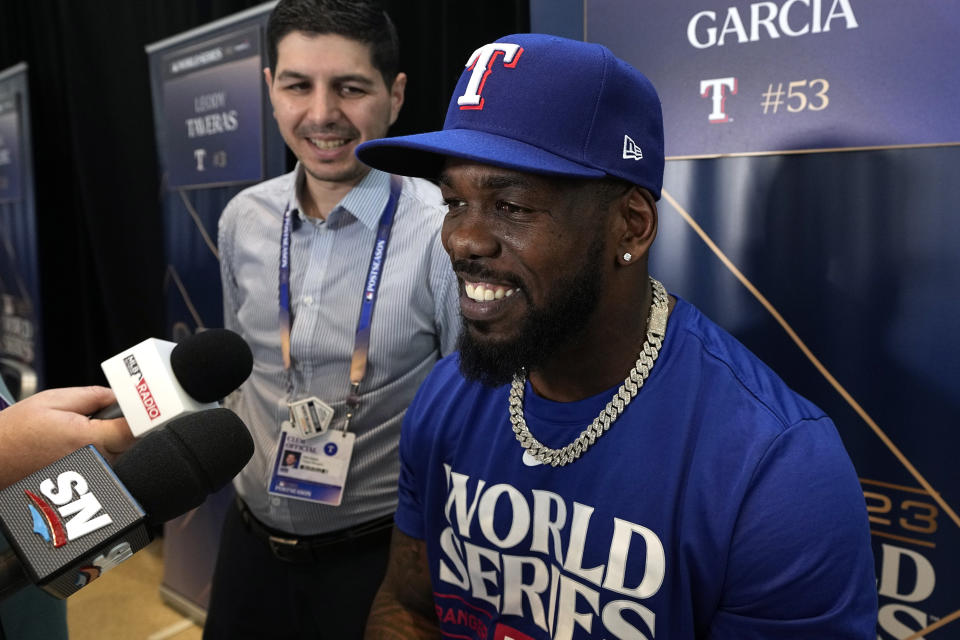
point(541, 104)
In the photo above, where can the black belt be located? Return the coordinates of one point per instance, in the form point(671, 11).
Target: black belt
point(291, 548)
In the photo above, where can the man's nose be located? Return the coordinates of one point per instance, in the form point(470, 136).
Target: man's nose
point(468, 235)
point(324, 106)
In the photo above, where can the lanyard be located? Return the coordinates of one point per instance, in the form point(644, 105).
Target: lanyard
point(358, 364)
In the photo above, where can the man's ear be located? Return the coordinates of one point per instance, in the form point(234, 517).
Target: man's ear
point(638, 225)
point(397, 95)
point(268, 78)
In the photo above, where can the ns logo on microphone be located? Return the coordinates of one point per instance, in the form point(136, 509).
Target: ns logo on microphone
point(71, 496)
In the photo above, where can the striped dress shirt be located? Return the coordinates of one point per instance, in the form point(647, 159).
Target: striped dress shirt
point(415, 322)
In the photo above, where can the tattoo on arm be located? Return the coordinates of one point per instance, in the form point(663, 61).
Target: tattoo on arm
point(403, 608)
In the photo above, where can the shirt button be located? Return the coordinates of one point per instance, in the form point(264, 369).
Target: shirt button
point(275, 502)
point(308, 300)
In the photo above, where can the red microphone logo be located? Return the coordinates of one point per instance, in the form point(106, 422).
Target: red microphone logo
point(143, 389)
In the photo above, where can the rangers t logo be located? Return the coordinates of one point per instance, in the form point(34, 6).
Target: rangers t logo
point(716, 90)
point(482, 64)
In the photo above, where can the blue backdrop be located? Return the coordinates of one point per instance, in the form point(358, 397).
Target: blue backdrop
point(251, 151)
point(837, 268)
point(738, 77)
point(21, 346)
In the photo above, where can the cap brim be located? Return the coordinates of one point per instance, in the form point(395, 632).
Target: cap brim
point(422, 155)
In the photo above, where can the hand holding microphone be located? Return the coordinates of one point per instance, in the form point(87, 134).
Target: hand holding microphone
point(48, 425)
point(157, 381)
point(77, 517)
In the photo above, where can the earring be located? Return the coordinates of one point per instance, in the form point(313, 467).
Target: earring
point(627, 256)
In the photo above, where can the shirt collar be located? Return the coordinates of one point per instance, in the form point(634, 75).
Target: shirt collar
point(365, 201)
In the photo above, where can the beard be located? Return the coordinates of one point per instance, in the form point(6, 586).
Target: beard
point(546, 327)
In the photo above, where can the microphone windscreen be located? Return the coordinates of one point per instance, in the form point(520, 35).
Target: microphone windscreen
point(209, 365)
point(173, 469)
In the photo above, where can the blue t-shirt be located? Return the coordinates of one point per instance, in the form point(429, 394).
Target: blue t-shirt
point(719, 505)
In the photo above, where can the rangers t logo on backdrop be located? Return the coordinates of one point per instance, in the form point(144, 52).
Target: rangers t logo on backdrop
point(716, 90)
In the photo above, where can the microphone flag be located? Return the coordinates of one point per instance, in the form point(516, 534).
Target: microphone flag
point(71, 521)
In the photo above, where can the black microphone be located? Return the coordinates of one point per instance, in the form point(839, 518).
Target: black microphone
point(156, 381)
point(77, 518)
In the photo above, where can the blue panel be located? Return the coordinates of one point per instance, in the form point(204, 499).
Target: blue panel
point(212, 99)
point(11, 141)
point(557, 17)
point(21, 345)
point(857, 252)
point(811, 74)
point(192, 285)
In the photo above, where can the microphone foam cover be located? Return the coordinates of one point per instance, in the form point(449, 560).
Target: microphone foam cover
point(211, 364)
point(172, 469)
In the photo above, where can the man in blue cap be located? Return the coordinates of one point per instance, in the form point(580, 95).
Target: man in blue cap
point(599, 460)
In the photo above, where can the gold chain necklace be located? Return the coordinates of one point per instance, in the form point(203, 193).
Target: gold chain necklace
point(656, 329)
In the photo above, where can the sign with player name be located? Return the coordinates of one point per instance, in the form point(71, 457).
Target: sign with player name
point(190, 215)
point(11, 174)
point(21, 345)
point(738, 77)
point(212, 111)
